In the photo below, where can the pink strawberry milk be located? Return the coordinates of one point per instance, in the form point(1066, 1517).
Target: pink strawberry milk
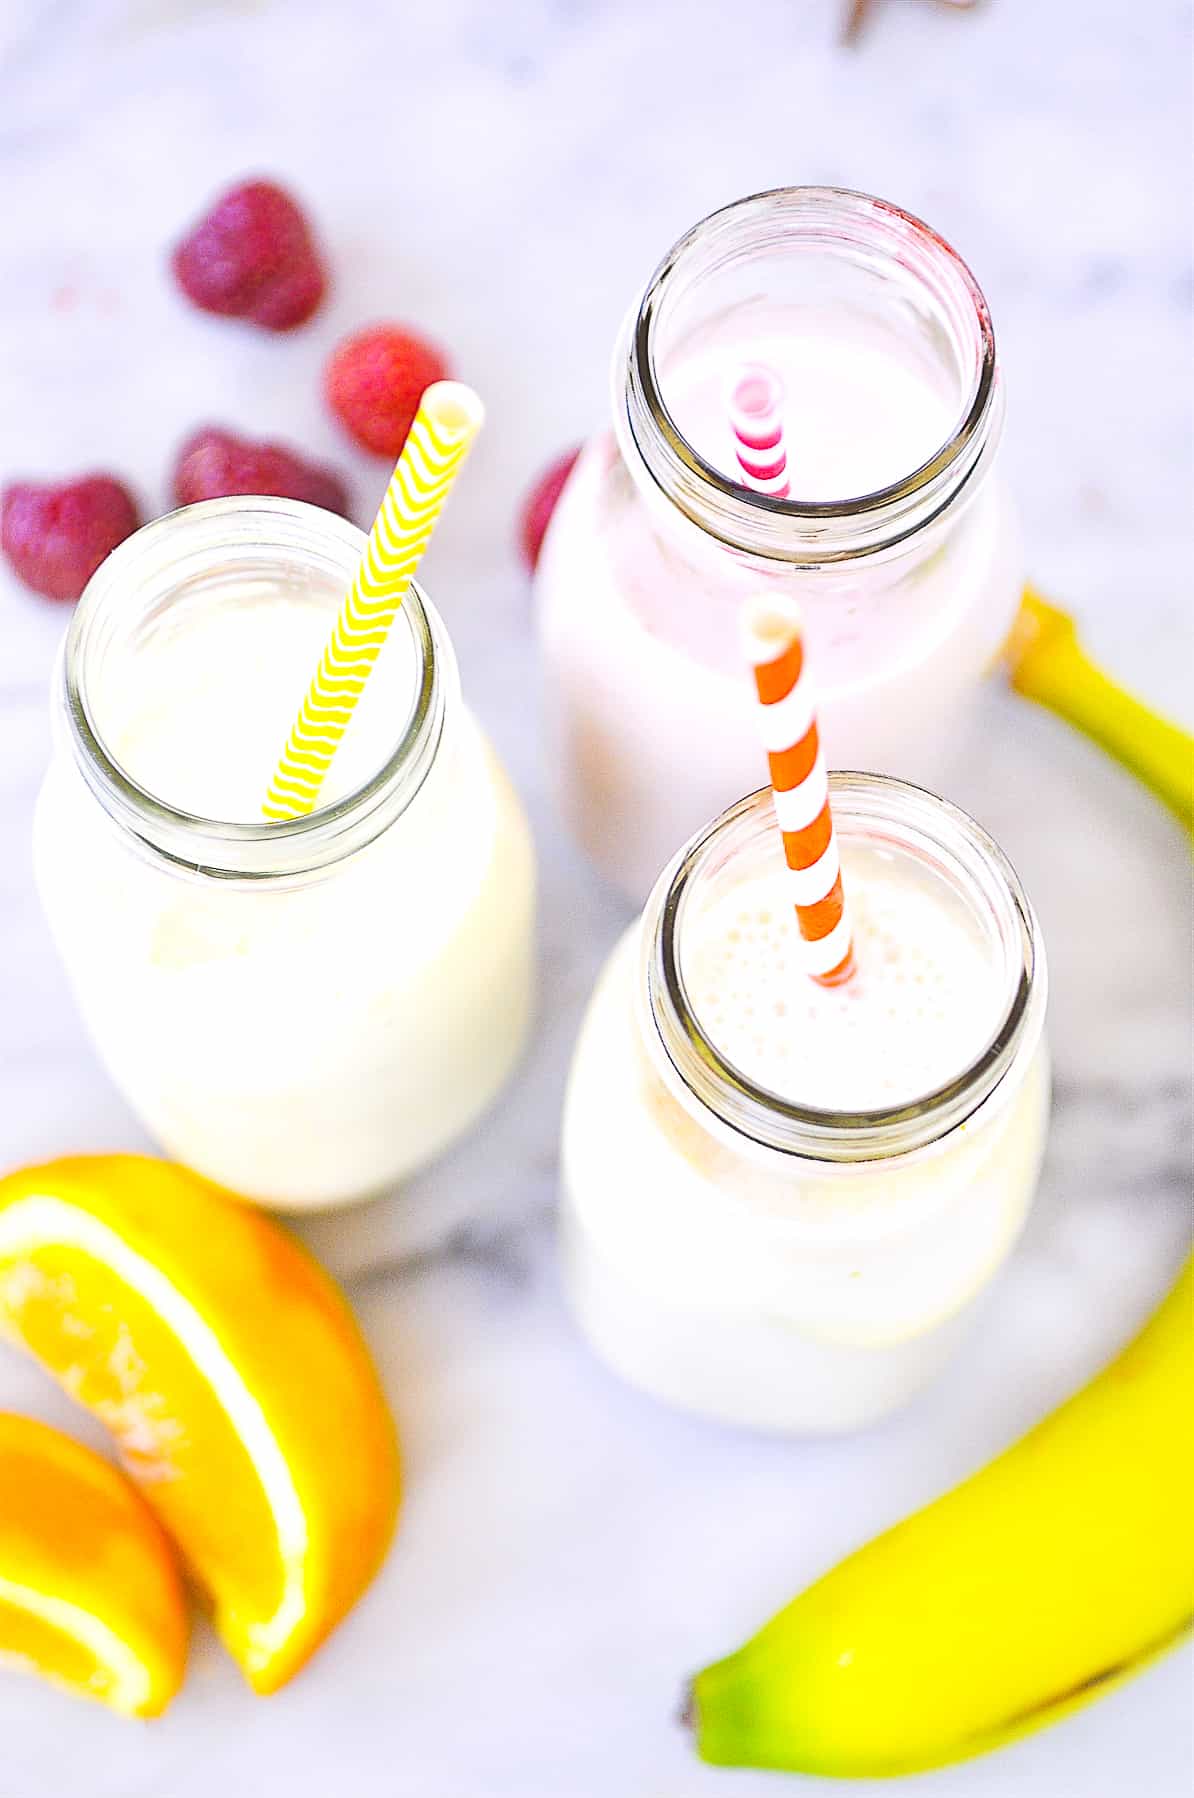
point(887, 520)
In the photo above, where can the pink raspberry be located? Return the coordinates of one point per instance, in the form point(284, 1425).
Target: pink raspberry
point(56, 535)
point(374, 382)
point(540, 503)
point(213, 464)
point(253, 256)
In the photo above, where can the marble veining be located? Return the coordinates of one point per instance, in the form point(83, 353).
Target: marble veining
point(570, 1551)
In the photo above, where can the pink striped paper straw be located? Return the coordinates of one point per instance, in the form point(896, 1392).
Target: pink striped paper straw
point(756, 419)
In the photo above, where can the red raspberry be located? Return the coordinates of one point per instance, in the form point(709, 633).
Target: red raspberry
point(253, 257)
point(213, 464)
point(374, 382)
point(56, 536)
point(540, 503)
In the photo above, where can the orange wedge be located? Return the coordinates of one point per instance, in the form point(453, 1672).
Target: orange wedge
point(233, 1377)
point(90, 1596)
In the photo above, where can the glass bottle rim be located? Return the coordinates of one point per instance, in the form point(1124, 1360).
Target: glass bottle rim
point(883, 809)
point(792, 529)
point(161, 556)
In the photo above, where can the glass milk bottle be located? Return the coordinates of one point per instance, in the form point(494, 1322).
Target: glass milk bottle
point(782, 1200)
point(304, 1011)
point(898, 538)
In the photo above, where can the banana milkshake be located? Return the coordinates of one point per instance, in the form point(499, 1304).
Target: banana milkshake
point(783, 1198)
point(896, 535)
point(304, 1011)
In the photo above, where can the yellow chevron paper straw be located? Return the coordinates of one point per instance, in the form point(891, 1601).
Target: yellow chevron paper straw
point(448, 419)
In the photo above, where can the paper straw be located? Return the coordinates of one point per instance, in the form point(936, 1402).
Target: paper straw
point(756, 419)
point(800, 785)
point(448, 419)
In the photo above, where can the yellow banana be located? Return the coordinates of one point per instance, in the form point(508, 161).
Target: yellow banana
point(1046, 663)
point(1038, 1583)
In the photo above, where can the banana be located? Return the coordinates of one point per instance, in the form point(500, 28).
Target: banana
point(1045, 662)
point(1035, 1585)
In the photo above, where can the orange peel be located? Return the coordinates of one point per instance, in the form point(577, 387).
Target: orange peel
point(90, 1593)
point(233, 1377)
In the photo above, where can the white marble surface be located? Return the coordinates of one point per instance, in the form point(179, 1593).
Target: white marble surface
point(569, 1551)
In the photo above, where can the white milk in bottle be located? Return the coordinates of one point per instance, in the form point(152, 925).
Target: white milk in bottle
point(304, 1011)
point(898, 537)
point(782, 1200)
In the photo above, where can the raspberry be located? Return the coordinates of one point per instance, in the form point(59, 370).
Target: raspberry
point(374, 382)
point(253, 257)
point(56, 536)
point(213, 464)
point(540, 503)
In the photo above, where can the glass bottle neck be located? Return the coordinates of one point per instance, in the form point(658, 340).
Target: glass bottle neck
point(853, 259)
point(177, 566)
point(903, 822)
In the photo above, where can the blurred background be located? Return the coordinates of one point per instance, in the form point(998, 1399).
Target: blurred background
point(503, 177)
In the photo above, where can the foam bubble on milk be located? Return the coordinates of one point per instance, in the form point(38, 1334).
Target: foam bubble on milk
point(925, 1001)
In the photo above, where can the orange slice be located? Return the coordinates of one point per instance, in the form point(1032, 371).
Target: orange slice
point(233, 1377)
point(90, 1596)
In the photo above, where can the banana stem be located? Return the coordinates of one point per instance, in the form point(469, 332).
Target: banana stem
point(1048, 664)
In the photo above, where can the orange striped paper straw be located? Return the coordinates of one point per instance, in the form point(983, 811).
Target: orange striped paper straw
point(800, 785)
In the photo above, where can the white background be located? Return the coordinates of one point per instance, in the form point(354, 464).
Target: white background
point(504, 175)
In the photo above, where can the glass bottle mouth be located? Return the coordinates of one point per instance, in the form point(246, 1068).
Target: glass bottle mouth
point(897, 817)
point(856, 251)
point(183, 558)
